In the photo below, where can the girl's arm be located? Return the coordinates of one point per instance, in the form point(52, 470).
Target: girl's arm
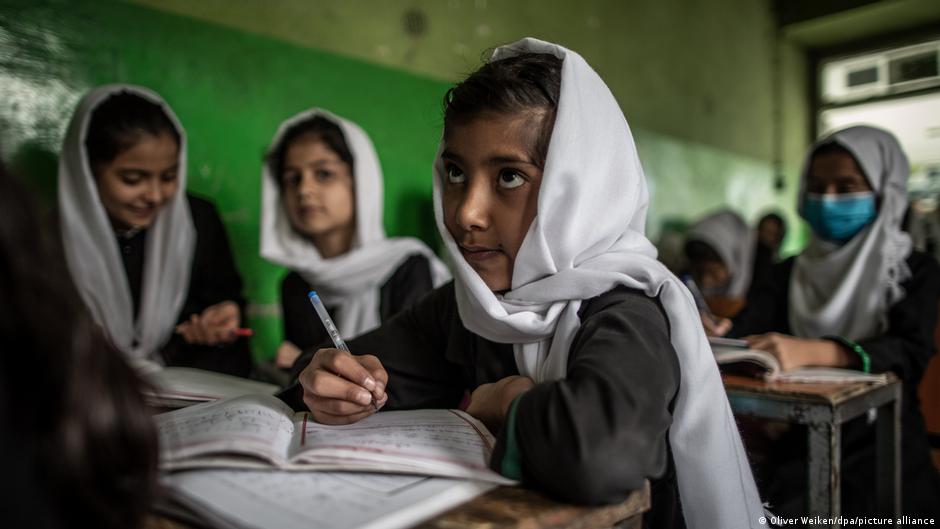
point(411, 348)
point(907, 345)
point(596, 435)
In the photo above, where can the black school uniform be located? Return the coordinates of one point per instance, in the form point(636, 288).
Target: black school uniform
point(213, 279)
point(591, 438)
point(904, 348)
point(403, 288)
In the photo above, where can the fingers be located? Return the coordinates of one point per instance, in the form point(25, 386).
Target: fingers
point(352, 368)
point(324, 384)
point(377, 370)
point(340, 388)
point(327, 418)
point(715, 326)
point(287, 354)
point(215, 325)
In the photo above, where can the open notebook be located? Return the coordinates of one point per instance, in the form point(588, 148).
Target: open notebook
point(178, 387)
point(255, 499)
point(735, 357)
point(260, 431)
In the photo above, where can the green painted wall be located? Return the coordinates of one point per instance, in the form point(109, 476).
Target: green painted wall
point(230, 89)
point(697, 80)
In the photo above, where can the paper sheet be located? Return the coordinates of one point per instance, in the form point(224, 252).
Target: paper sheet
point(318, 500)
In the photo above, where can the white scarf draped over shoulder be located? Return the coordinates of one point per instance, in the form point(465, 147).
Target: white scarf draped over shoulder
point(734, 241)
point(351, 282)
point(91, 246)
point(587, 238)
point(847, 290)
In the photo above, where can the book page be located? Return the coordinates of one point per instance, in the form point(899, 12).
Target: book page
point(258, 425)
point(433, 442)
point(828, 375)
point(726, 356)
point(317, 500)
point(198, 385)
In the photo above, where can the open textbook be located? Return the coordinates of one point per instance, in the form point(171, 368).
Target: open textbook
point(260, 431)
point(178, 387)
point(735, 357)
point(258, 499)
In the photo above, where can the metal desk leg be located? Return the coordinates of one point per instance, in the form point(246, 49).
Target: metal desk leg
point(888, 458)
point(825, 469)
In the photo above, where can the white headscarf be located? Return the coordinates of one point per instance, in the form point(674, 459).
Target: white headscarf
point(847, 290)
point(350, 282)
point(734, 241)
point(91, 247)
point(587, 238)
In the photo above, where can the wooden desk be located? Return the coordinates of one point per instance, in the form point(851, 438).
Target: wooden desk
point(518, 508)
point(824, 408)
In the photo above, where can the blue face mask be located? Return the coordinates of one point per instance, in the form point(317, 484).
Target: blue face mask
point(838, 218)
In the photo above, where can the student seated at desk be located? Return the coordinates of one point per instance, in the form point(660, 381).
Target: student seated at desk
point(858, 297)
point(152, 262)
point(322, 218)
point(78, 445)
point(720, 251)
point(581, 352)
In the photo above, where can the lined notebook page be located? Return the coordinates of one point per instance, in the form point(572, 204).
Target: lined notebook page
point(430, 438)
point(318, 500)
point(258, 425)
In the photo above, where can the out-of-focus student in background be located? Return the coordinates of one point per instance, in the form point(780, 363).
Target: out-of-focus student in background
point(152, 262)
point(322, 219)
point(857, 297)
point(77, 441)
point(771, 230)
point(719, 250)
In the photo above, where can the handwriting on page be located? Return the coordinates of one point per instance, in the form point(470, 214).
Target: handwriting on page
point(244, 424)
point(439, 435)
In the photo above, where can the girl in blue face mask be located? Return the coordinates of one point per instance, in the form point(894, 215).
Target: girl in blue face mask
point(857, 297)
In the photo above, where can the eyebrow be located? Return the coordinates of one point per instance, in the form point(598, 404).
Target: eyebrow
point(317, 163)
point(493, 160)
point(146, 172)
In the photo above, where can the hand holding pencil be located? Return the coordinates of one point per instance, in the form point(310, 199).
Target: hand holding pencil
point(339, 387)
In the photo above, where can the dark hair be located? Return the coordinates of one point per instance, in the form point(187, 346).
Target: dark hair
point(775, 217)
point(699, 251)
point(118, 123)
point(527, 82)
point(318, 127)
point(70, 404)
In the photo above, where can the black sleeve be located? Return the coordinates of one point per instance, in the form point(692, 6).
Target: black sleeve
point(767, 304)
point(407, 285)
point(301, 325)
point(907, 344)
point(412, 348)
point(214, 278)
point(596, 435)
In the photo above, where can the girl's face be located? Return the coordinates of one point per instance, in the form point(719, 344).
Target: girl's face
point(836, 173)
point(140, 181)
point(490, 191)
point(317, 188)
point(710, 276)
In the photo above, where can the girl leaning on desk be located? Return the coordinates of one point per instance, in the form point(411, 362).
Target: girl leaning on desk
point(569, 336)
point(858, 297)
point(78, 444)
